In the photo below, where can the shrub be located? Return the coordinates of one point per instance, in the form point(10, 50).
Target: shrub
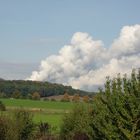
point(20, 127)
point(3, 128)
point(43, 128)
point(65, 98)
point(2, 107)
point(2, 95)
point(53, 100)
point(76, 124)
point(24, 124)
point(7, 128)
point(36, 96)
point(76, 98)
point(86, 98)
point(16, 94)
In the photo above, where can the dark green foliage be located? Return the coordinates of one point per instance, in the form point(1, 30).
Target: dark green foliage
point(80, 136)
point(116, 114)
point(16, 94)
point(3, 128)
point(2, 95)
point(7, 128)
point(22, 89)
point(44, 132)
point(43, 129)
point(2, 107)
point(76, 124)
point(24, 124)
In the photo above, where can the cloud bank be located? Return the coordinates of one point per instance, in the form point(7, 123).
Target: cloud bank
point(86, 62)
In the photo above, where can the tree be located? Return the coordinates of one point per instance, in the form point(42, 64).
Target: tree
point(35, 96)
point(2, 95)
point(66, 97)
point(116, 111)
point(76, 98)
point(16, 94)
point(86, 98)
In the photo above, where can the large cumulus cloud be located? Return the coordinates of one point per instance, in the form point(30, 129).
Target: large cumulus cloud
point(86, 62)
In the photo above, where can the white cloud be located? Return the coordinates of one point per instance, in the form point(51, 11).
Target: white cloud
point(86, 62)
point(128, 43)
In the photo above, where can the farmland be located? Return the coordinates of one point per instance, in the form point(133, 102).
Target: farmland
point(45, 111)
point(37, 104)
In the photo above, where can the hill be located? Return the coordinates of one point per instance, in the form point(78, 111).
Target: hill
point(45, 89)
point(1, 79)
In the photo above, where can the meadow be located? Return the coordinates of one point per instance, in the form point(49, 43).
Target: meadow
point(43, 111)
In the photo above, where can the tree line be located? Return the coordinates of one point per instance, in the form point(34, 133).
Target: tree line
point(24, 89)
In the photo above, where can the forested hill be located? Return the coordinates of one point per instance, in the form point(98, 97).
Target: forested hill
point(8, 87)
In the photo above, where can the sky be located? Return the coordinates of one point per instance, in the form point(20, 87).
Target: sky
point(33, 32)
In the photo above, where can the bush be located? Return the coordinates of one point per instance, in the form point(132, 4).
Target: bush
point(43, 129)
point(7, 128)
point(2, 107)
point(2, 95)
point(76, 98)
point(53, 100)
point(3, 128)
point(86, 98)
point(65, 98)
point(24, 124)
point(36, 96)
point(76, 124)
point(16, 94)
point(18, 127)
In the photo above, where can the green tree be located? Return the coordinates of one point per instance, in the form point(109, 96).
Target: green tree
point(2, 95)
point(116, 112)
point(16, 94)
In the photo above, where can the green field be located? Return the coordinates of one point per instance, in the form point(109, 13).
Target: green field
point(37, 104)
point(45, 111)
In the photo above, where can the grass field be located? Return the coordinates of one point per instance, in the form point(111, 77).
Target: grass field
point(37, 104)
point(45, 111)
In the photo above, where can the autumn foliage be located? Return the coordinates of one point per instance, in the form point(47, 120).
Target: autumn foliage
point(86, 99)
point(66, 97)
point(76, 98)
point(35, 96)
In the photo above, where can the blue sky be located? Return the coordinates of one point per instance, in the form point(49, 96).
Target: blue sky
point(31, 30)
